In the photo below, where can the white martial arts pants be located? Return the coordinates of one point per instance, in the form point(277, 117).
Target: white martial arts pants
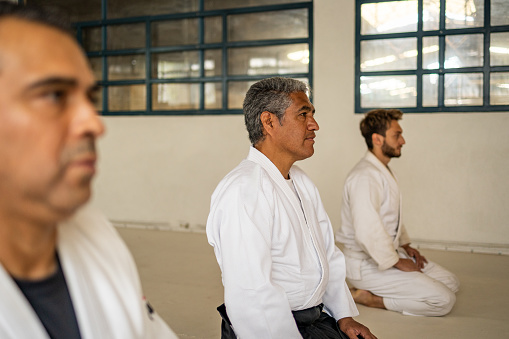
point(430, 293)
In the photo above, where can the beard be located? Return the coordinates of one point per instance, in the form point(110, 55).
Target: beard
point(389, 151)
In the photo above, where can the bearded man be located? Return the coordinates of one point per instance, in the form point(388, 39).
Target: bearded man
point(384, 270)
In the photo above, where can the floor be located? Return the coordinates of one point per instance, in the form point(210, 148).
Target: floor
point(181, 279)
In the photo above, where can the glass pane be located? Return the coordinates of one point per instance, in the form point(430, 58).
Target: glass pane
point(499, 12)
point(126, 36)
point(175, 96)
point(175, 32)
point(77, 10)
point(389, 54)
point(236, 92)
point(282, 59)
point(288, 24)
point(464, 13)
point(91, 38)
point(389, 17)
point(183, 64)
point(430, 53)
point(431, 15)
point(130, 8)
point(463, 89)
point(430, 90)
point(499, 88)
point(97, 69)
point(464, 50)
point(127, 98)
point(213, 29)
point(213, 62)
point(389, 91)
point(126, 67)
point(221, 4)
point(213, 95)
point(499, 49)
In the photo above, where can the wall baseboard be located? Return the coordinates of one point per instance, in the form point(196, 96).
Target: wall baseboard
point(485, 248)
point(159, 226)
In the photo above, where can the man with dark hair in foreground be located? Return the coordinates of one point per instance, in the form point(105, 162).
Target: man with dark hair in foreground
point(283, 276)
point(64, 271)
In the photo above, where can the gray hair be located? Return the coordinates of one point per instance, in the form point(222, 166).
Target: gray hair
point(271, 95)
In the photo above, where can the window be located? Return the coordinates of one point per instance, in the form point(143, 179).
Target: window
point(432, 55)
point(174, 57)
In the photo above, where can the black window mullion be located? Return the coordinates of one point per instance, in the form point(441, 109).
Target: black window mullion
point(148, 66)
point(441, 57)
point(487, 56)
point(419, 52)
point(104, 46)
point(310, 45)
point(358, 56)
point(201, 59)
point(225, 62)
point(79, 35)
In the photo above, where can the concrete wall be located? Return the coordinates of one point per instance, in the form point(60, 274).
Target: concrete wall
point(453, 172)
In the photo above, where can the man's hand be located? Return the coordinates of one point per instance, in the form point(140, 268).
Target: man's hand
point(420, 260)
point(407, 265)
point(354, 330)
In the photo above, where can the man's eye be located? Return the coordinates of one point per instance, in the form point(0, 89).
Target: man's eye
point(94, 98)
point(56, 96)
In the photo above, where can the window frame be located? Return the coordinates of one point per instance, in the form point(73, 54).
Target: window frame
point(441, 33)
point(201, 47)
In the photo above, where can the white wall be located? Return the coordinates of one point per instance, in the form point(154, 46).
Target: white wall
point(453, 172)
point(163, 170)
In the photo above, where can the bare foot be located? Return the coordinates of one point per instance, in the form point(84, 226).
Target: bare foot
point(366, 298)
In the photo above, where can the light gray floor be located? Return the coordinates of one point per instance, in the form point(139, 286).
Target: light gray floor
point(181, 279)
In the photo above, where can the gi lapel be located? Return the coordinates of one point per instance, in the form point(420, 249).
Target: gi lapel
point(104, 303)
point(276, 176)
point(312, 222)
point(393, 182)
point(306, 217)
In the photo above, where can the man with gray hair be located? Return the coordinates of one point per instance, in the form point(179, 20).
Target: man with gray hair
point(283, 276)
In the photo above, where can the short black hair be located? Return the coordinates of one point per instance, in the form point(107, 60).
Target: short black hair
point(50, 16)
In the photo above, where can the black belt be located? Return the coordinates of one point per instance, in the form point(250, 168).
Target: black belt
point(308, 316)
point(312, 323)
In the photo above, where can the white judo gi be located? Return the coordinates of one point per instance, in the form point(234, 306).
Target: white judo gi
point(276, 253)
point(372, 233)
point(103, 284)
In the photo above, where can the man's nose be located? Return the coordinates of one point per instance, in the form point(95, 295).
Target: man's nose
point(87, 120)
point(313, 125)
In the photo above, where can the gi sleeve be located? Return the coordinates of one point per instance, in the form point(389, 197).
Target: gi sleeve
point(239, 228)
point(365, 196)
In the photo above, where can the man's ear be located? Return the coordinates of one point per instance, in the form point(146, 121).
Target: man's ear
point(377, 139)
point(267, 120)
